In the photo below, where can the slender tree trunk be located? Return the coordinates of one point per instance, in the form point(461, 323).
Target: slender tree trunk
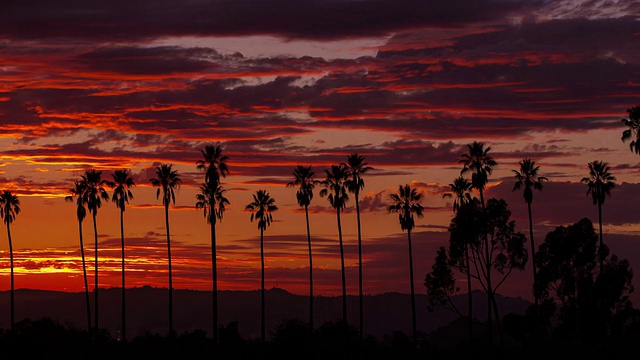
point(13, 323)
point(489, 286)
point(360, 298)
point(344, 278)
point(469, 295)
point(533, 264)
point(306, 212)
point(214, 281)
point(95, 277)
point(124, 316)
point(601, 248)
point(86, 282)
point(413, 295)
point(166, 216)
point(262, 314)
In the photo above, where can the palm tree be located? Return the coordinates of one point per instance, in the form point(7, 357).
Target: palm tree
point(599, 183)
point(335, 189)
point(356, 168)
point(81, 212)
point(94, 193)
point(304, 180)
point(407, 203)
point(480, 164)
point(262, 207)
point(211, 199)
point(214, 163)
point(167, 181)
point(9, 209)
point(461, 189)
point(121, 185)
point(633, 131)
point(528, 178)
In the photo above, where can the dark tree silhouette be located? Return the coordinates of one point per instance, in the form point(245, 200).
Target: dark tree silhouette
point(94, 193)
point(527, 177)
point(335, 189)
point(121, 185)
point(461, 194)
point(262, 207)
point(480, 164)
point(356, 166)
point(81, 214)
point(212, 201)
point(9, 209)
point(167, 181)
point(591, 298)
point(407, 203)
point(632, 134)
point(304, 179)
point(214, 163)
point(600, 182)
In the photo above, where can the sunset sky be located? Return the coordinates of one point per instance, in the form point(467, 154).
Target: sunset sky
point(407, 84)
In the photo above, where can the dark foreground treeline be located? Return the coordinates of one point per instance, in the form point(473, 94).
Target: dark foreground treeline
point(46, 338)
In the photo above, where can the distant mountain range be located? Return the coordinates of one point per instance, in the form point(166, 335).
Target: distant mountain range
point(147, 310)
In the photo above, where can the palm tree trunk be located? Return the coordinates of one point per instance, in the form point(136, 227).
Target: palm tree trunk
point(12, 284)
point(214, 280)
point(601, 248)
point(489, 286)
point(533, 264)
point(86, 282)
point(306, 212)
point(469, 295)
point(262, 315)
point(124, 317)
point(95, 267)
point(360, 299)
point(413, 296)
point(344, 278)
point(166, 216)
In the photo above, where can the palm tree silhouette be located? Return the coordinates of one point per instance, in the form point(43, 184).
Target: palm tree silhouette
point(478, 162)
point(335, 189)
point(214, 163)
point(600, 182)
point(262, 207)
point(121, 185)
point(461, 194)
point(167, 181)
point(304, 180)
point(633, 131)
point(528, 178)
point(211, 199)
point(94, 193)
point(9, 209)
point(81, 213)
point(407, 203)
point(357, 167)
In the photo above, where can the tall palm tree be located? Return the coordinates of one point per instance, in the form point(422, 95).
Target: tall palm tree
point(600, 182)
point(262, 207)
point(528, 178)
point(335, 189)
point(304, 179)
point(407, 203)
point(121, 185)
point(212, 201)
point(633, 131)
point(461, 194)
point(357, 167)
point(214, 163)
point(168, 182)
point(480, 164)
point(94, 193)
point(81, 213)
point(9, 209)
